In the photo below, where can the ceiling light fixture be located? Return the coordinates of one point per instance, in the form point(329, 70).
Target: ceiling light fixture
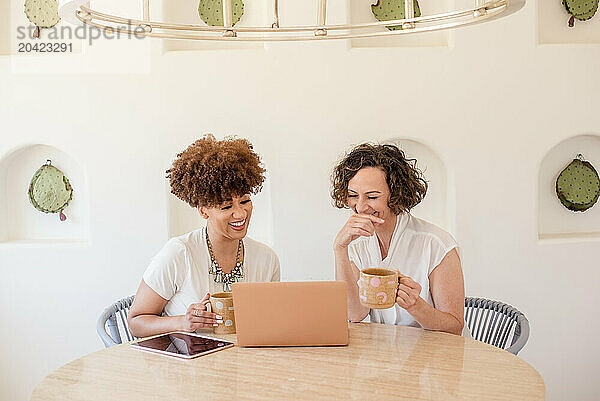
point(79, 11)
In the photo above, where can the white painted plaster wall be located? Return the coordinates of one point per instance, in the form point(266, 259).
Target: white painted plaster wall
point(491, 105)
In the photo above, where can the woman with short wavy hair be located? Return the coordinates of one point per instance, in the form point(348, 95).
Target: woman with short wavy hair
point(217, 178)
point(380, 185)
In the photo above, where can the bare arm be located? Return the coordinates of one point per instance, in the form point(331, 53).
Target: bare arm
point(145, 318)
point(446, 284)
point(347, 271)
point(357, 225)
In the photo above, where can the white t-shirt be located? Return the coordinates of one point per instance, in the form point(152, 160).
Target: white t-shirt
point(417, 247)
point(179, 272)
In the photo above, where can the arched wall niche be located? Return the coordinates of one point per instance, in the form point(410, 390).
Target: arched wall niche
point(438, 206)
point(554, 220)
point(20, 222)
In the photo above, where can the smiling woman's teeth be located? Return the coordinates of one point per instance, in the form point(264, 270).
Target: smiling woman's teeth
point(238, 224)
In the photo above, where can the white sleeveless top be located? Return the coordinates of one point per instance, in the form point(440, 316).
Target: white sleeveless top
point(179, 272)
point(417, 247)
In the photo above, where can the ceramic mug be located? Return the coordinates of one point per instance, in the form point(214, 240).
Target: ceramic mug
point(377, 287)
point(221, 303)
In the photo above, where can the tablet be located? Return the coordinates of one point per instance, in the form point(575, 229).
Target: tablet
point(182, 345)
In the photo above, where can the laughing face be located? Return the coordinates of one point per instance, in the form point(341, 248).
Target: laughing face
point(369, 193)
point(231, 218)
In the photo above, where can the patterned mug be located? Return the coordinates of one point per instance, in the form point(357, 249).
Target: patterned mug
point(377, 287)
point(221, 303)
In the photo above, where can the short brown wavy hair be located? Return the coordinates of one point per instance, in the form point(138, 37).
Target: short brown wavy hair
point(405, 180)
point(210, 172)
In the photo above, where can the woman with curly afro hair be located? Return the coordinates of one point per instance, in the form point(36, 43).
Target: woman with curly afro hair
point(380, 185)
point(217, 177)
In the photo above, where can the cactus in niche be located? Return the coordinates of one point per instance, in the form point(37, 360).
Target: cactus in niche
point(50, 191)
point(582, 10)
point(387, 10)
point(42, 13)
point(578, 185)
point(211, 11)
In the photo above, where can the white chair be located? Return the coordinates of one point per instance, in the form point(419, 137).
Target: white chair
point(112, 323)
point(493, 322)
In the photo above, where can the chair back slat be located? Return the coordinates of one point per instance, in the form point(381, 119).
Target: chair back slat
point(517, 333)
point(488, 323)
point(480, 311)
point(113, 328)
point(495, 323)
point(491, 327)
point(476, 317)
point(501, 325)
point(485, 314)
point(509, 328)
point(124, 326)
point(468, 314)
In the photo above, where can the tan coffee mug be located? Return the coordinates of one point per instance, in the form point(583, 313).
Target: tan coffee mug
point(221, 303)
point(377, 287)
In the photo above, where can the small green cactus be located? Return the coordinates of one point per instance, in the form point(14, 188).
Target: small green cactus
point(578, 185)
point(582, 10)
point(211, 11)
point(50, 191)
point(387, 10)
point(42, 13)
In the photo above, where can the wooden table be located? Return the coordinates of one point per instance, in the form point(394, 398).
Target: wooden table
point(381, 362)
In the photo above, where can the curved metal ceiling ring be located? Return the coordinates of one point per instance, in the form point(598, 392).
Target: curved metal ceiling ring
point(493, 10)
point(499, 6)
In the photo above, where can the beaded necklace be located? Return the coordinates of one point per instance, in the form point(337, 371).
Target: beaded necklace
point(220, 276)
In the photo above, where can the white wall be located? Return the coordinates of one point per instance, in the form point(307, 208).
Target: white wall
point(491, 105)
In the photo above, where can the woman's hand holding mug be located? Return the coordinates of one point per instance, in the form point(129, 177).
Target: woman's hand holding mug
point(197, 316)
point(409, 292)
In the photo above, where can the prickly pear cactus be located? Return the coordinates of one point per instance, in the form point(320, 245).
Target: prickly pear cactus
point(42, 13)
point(578, 185)
point(386, 10)
point(582, 10)
point(211, 11)
point(50, 191)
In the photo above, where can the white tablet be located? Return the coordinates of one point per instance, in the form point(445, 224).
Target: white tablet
point(182, 345)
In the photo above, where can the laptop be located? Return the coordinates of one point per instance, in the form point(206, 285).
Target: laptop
point(307, 313)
